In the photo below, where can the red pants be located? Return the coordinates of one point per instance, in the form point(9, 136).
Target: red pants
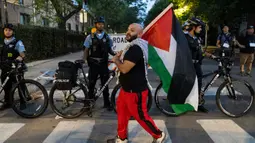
point(134, 104)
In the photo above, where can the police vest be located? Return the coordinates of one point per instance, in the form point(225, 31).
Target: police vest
point(195, 48)
point(99, 47)
point(9, 52)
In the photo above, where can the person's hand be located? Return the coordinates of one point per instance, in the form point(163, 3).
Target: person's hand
point(119, 53)
point(213, 57)
point(115, 58)
point(19, 58)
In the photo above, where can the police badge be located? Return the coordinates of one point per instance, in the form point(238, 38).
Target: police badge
point(104, 40)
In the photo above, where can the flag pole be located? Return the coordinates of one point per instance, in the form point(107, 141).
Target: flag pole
point(158, 17)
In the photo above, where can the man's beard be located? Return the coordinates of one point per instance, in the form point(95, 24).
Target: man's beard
point(8, 36)
point(100, 30)
point(132, 38)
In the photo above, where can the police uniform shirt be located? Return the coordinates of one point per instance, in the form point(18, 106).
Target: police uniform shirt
point(88, 41)
point(19, 46)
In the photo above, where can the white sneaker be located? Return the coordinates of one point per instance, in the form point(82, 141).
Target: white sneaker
point(161, 139)
point(118, 140)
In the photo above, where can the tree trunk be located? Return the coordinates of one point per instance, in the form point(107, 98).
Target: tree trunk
point(5, 11)
point(62, 24)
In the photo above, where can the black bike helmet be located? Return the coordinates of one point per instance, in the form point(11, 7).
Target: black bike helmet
point(100, 19)
point(196, 22)
point(9, 26)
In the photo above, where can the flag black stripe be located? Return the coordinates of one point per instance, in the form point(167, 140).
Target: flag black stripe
point(184, 74)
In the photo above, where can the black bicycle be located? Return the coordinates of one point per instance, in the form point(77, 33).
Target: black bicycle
point(78, 94)
point(29, 98)
point(228, 92)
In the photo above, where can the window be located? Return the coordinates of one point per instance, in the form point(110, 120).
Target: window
point(77, 17)
point(21, 2)
point(83, 29)
point(45, 22)
point(24, 19)
point(69, 26)
point(77, 28)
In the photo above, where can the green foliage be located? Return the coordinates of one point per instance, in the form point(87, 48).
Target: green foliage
point(43, 43)
point(58, 10)
point(156, 10)
point(118, 13)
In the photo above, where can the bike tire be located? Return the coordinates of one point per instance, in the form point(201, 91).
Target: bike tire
point(56, 110)
point(161, 109)
point(114, 94)
point(224, 111)
point(45, 95)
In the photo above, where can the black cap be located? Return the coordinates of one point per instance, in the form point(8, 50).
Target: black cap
point(99, 19)
point(9, 26)
point(250, 27)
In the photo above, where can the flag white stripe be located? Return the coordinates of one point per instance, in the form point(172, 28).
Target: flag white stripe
point(136, 134)
point(225, 131)
point(169, 57)
point(8, 129)
point(192, 98)
point(71, 132)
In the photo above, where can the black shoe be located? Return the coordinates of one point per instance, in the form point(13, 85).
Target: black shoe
point(109, 107)
point(249, 74)
point(5, 106)
point(202, 109)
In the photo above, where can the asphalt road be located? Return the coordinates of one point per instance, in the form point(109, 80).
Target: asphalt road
point(193, 127)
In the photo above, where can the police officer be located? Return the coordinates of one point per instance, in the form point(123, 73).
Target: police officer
point(195, 28)
point(97, 46)
point(13, 49)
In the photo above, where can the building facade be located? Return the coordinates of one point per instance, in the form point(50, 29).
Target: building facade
point(23, 12)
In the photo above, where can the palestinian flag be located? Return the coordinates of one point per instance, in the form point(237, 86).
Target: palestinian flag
point(169, 56)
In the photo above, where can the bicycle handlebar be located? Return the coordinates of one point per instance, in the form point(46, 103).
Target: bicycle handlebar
point(11, 64)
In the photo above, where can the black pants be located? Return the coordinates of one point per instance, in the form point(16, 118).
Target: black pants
point(199, 73)
point(8, 87)
point(103, 71)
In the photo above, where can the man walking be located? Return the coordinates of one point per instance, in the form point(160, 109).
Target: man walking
point(133, 96)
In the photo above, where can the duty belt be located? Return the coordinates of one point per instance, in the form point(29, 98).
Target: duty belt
point(195, 61)
point(97, 60)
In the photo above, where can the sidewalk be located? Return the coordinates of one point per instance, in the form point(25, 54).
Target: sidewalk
point(36, 63)
point(35, 68)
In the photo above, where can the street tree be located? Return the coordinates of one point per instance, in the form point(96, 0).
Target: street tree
point(58, 10)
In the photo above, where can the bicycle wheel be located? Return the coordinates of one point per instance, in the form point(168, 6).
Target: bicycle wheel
point(163, 105)
point(72, 102)
point(115, 94)
point(29, 98)
point(240, 93)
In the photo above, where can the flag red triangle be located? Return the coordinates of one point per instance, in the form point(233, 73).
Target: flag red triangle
point(159, 33)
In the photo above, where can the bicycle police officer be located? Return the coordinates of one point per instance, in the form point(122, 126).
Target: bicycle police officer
point(13, 49)
point(97, 46)
point(195, 28)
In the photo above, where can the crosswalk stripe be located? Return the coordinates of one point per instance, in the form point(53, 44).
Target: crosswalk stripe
point(225, 131)
point(136, 134)
point(8, 129)
point(71, 132)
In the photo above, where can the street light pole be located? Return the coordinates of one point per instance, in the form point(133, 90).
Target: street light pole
point(5, 11)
